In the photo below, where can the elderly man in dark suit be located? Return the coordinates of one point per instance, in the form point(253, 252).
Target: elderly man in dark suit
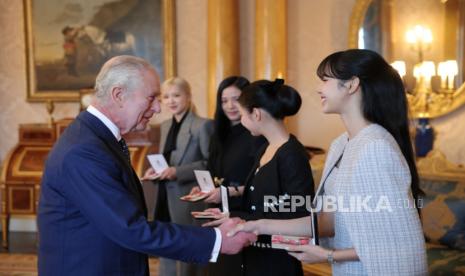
point(92, 214)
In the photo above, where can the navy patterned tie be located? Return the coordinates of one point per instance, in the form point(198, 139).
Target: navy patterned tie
point(125, 149)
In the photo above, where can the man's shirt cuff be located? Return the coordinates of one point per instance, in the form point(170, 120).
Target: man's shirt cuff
point(217, 247)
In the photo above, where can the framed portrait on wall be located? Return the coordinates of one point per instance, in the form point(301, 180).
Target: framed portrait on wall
point(68, 41)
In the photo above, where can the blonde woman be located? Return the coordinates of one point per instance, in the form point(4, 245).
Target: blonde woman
point(184, 142)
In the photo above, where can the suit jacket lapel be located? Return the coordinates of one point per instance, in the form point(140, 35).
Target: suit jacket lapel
point(104, 133)
point(110, 140)
point(184, 137)
point(164, 128)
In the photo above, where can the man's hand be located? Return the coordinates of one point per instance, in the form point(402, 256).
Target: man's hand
point(234, 244)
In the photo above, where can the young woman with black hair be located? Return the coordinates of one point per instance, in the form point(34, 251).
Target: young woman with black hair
point(232, 154)
point(232, 147)
point(281, 169)
point(373, 162)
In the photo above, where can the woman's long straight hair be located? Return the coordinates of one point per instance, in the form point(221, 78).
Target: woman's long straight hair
point(384, 100)
point(221, 123)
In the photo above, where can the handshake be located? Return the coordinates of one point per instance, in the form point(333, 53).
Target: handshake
point(233, 239)
point(235, 232)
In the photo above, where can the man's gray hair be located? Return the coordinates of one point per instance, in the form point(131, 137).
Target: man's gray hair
point(123, 71)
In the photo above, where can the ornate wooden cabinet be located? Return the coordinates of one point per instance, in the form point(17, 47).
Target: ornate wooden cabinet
point(22, 169)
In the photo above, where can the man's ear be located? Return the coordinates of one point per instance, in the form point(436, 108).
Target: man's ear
point(117, 95)
point(353, 85)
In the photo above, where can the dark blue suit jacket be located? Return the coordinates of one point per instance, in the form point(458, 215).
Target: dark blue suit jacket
point(92, 215)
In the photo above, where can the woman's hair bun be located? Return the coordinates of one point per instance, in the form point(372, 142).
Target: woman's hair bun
point(289, 99)
point(275, 97)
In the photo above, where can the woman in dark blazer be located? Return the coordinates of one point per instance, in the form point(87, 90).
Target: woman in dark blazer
point(232, 148)
point(184, 142)
point(232, 155)
point(281, 169)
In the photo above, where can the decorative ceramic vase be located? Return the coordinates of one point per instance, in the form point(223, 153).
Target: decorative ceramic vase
point(424, 137)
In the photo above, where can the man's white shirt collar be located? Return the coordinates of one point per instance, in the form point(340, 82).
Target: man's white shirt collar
point(107, 122)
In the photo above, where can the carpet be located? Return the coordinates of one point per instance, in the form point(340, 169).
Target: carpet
point(26, 265)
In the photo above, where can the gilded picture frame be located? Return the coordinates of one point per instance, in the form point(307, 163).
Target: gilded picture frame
point(66, 43)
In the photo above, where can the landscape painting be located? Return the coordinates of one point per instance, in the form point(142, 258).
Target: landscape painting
point(68, 41)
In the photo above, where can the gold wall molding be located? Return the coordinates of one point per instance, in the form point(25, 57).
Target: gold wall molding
point(356, 20)
point(169, 37)
point(270, 39)
point(223, 45)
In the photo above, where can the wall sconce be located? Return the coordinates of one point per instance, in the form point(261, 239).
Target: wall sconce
point(423, 72)
point(431, 92)
point(419, 38)
point(422, 95)
point(448, 70)
point(400, 67)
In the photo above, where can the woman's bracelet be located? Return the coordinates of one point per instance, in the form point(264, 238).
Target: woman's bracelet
point(330, 257)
